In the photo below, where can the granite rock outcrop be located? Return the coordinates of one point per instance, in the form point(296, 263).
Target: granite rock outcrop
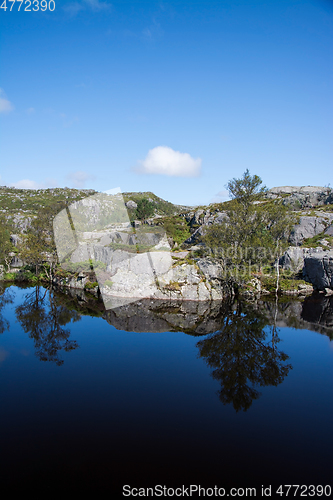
point(310, 226)
point(316, 265)
point(302, 196)
point(318, 269)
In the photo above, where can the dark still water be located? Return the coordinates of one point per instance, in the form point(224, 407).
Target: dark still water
point(233, 395)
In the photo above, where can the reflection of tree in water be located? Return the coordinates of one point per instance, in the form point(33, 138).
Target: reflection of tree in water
point(6, 297)
point(243, 357)
point(43, 319)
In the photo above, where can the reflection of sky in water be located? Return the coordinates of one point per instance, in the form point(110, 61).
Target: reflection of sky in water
point(143, 407)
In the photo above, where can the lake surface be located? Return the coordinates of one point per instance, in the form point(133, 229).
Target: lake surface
point(233, 395)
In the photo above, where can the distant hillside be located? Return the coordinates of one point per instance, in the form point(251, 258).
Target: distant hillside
point(162, 207)
point(21, 204)
point(15, 201)
point(182, 223)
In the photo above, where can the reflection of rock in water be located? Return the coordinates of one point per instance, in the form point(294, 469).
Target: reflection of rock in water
point(318, 310)
point(314, 313)
point(192, 317)
point(196, 318)
point(200, 318)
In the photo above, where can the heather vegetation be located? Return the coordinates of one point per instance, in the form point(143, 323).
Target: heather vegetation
point(30, 201)
point(160, 206)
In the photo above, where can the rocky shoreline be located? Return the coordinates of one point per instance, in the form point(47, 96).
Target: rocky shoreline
point(313, 312)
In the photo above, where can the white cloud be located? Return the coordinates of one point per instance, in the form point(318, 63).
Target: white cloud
point(26, 184)
point(79, 178)
point(113, 191)
point(221, 196)
point(163, 160)
point(29, 184)
point(30, 111)
point(5, 105)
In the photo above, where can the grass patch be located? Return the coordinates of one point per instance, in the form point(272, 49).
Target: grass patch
point(314, 241)
point(84, 266)
point(180, 262)
point(89, 285)
point(137, 248)
point(108, 283)
point(173, 286)
point(9, 276)
point(176, 228)
point(286, 283)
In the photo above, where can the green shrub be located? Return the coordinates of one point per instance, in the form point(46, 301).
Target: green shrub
point(89, 285)
point(28, 275)
point(145, 209)
point(9, 276)
point(177, 228)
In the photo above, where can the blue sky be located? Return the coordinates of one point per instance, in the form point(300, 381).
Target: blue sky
point(172, 97)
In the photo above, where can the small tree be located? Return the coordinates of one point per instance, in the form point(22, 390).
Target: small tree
point(280, 221)
point(6, 245)
point(254, 231)
point(37, 247)
point(244, 190)
point(145, 209)
point(238, 237)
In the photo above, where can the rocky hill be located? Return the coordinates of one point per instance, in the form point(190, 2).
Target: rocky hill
point(311, 240)
point(20, 205)
point(313, 206)
point(178, 231)
point(303, 196)
point(15, 201)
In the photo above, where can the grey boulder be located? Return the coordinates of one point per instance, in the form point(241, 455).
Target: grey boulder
point(303, 196)
point(318, 268)
point(309, 227)
point(131, 204)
